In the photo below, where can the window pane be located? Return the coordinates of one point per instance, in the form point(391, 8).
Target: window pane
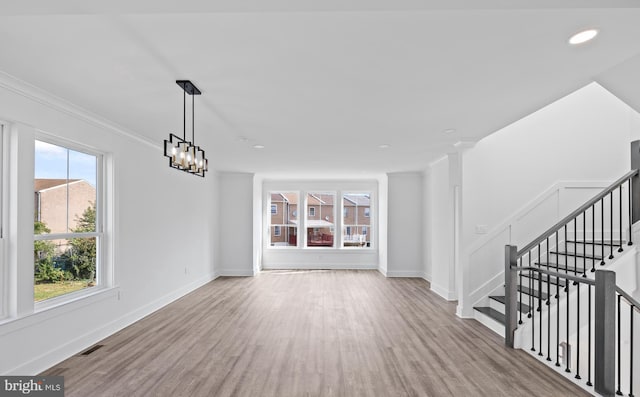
point(320, 219)
point(283, 219)
point(356, 221)
point(63, 266)
point(50, 188)
point(82, 192)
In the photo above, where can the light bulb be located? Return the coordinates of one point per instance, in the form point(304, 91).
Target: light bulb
point(181, 155)
point(189, 158)
point(173, 150)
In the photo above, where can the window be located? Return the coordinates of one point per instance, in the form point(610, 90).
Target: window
point(320, 230)
point(4, 282)
point(345, 212)
point(283, 225)
point(356, 226)
point(67, 220)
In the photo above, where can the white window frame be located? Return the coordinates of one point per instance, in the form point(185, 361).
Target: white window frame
point(271, 232)
point(4, 203)
point(274, 253)
point(274, 209)
point(367, 212)
point(312, 209)
point(103, 271)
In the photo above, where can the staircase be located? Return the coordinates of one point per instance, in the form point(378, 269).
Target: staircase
point(561, 304)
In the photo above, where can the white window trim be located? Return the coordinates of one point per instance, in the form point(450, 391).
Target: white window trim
point(277, 231)
point(104, 271)
point(304, 188)
point(314, 211)
point(4, 210)
point(274, 206)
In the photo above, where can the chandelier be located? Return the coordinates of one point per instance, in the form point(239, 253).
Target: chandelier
point(185, 155)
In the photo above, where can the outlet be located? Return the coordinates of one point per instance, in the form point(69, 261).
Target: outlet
point(482, 229)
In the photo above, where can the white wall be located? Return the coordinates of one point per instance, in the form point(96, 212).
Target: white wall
point(584, 137)
point(405, 218)
point(236, 224)
point(162, 234)
point(440, 229)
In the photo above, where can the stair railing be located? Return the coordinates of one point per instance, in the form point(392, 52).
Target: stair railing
point(555, 267)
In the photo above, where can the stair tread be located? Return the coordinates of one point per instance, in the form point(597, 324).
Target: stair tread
point(615, 243)
point(492, 313)
point(576, 254)
point(534, 293)
point(502, 299)
point(552, 280)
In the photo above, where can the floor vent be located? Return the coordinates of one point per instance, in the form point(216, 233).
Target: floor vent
point(90, 350)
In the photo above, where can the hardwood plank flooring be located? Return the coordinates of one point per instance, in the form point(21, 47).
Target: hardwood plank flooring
point(309, 333)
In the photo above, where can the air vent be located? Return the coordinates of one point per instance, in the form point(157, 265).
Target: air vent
point(90, 350)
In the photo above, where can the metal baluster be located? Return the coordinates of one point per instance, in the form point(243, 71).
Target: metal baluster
point(602, 230)
point(566, 259)
point(575, 246)
point(619, 343)
point(593, 238)
point(578, 335)
point(557, 314)
point(611, 224)
point(620, 190)
point(584, 243)
point(520, 299)
point(567, 289)
point(630, 213)
point(631, 309)
point(531, 273)
point(540, 307)
point(548, 311)
point(589, 340)
point(532, 302)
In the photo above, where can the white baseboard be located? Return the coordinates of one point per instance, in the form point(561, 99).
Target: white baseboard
point(464, 312)
point(443, 292)
point(406, 273)
point(330, 266)
point(236, 273)
point(52, 357)
point(383, 271)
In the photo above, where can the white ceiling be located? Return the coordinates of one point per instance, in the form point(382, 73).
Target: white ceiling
point(321, 84)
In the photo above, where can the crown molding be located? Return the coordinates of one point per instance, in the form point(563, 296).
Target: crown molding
point(36, 94)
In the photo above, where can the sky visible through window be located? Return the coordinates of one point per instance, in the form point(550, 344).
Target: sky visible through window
point(51, 163)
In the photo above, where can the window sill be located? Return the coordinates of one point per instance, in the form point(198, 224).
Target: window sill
point(56, 307)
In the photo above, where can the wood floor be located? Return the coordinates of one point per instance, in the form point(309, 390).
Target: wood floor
point(308, 333)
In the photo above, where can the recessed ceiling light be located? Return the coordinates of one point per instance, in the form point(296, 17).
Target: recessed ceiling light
point(583, 37)
point(243, 139)
point(384, 146)
point(258, 146)
point(449, 131)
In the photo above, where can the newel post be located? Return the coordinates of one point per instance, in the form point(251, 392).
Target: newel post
point(510, 293)
point(605, 333)
point(635, 183)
